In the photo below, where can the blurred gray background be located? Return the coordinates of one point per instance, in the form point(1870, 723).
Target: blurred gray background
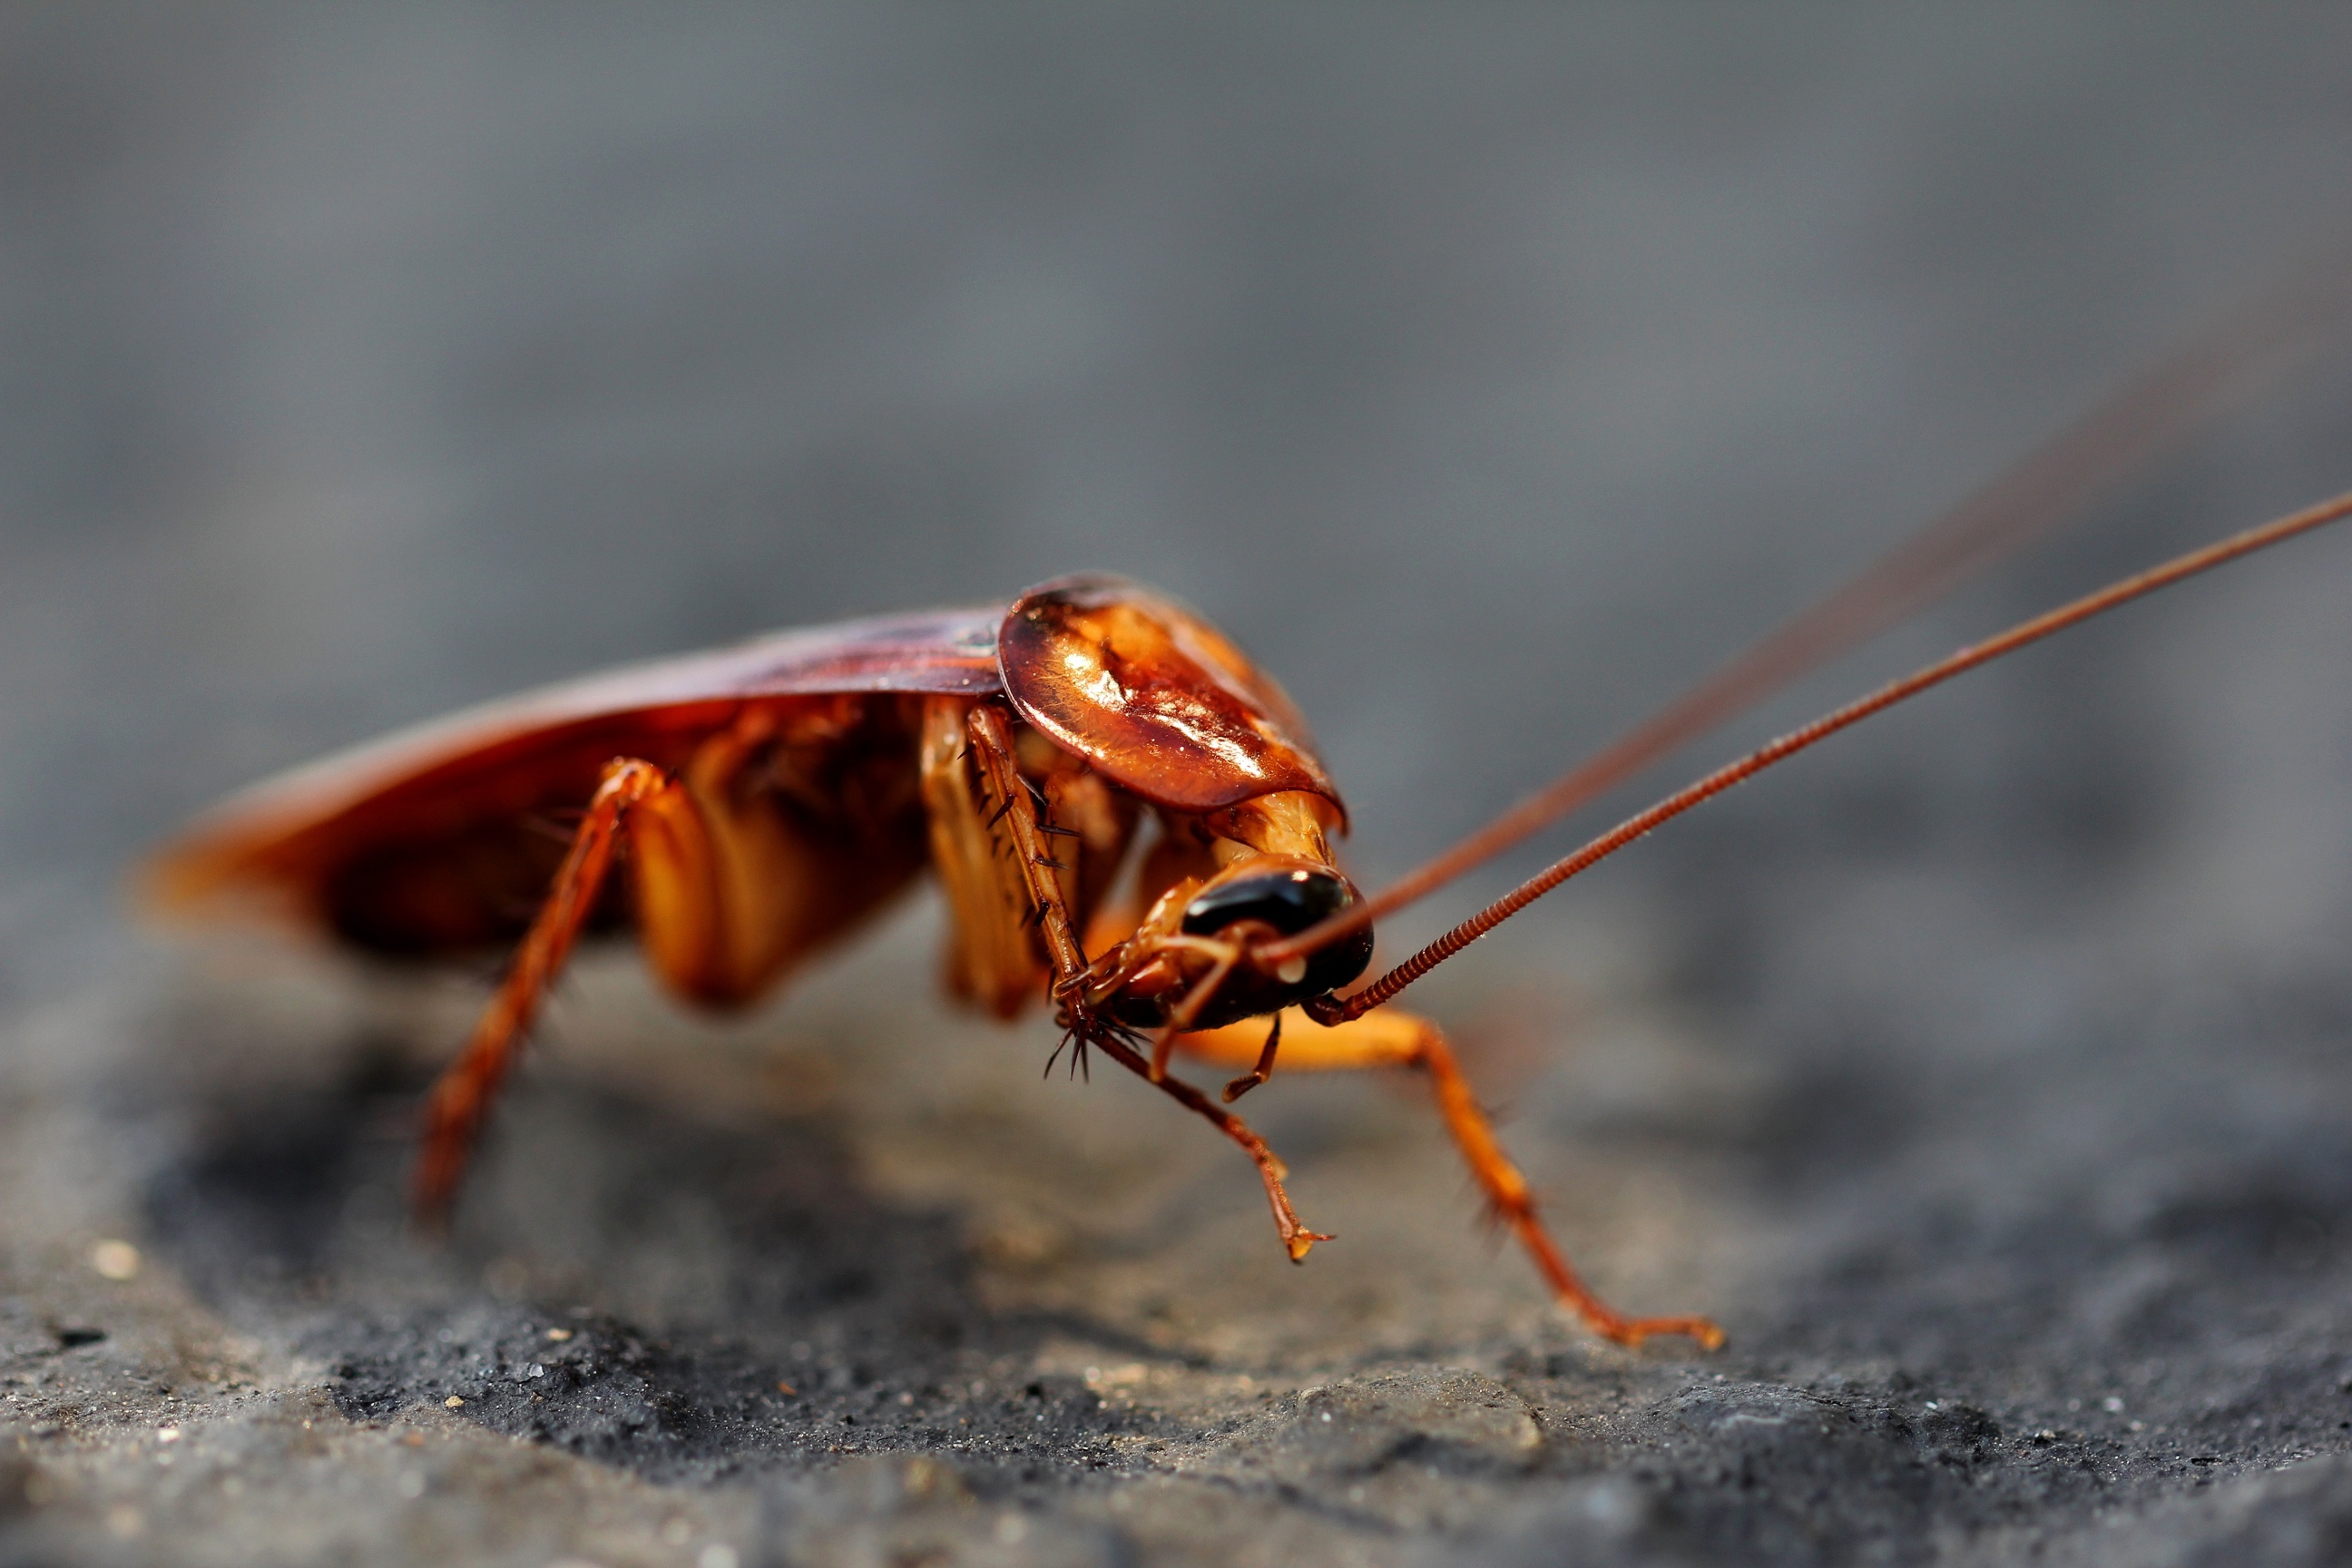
point(1489, 372)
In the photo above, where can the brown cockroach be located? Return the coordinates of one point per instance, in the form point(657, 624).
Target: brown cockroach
point(1126, 816)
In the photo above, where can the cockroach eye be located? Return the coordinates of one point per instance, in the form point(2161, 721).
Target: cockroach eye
point(1290, 902)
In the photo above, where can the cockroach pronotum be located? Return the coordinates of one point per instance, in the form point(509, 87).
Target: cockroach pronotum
point(1127, 818)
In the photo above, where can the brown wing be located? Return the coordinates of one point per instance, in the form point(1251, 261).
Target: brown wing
point(445, 836)
point(1154, 697)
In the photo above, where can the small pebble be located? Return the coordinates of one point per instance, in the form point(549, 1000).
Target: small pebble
point(114, 1259)
point(452, 1401)
point(559, 1335)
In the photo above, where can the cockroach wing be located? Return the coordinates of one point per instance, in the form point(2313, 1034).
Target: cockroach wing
point(444, 838)
point(1152, 696)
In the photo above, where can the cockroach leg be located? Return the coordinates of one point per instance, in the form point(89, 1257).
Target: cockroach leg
point(461, 1098)
point(992, 744)
point(992, 957)
point(993, 748)
point(1297, 1239)
point(1388, 1038)
point(1265, 1069)
point(1204, 990)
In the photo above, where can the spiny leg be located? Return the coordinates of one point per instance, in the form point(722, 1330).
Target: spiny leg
point(460, 1099)
point(992, 746)
point(1388, 1038)
point(991, 958)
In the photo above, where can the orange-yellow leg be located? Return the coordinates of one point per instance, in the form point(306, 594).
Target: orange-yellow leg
point(455, 1110)
point(1388, 1038)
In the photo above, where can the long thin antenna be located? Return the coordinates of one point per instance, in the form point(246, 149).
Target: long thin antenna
point(2148, 414)
point(1795, 741)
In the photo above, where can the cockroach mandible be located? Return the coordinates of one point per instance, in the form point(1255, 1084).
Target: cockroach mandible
point(1126, 816)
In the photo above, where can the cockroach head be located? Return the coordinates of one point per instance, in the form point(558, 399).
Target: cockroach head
point(1270, 896)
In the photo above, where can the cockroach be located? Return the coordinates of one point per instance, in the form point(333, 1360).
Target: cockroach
point(1128, 819)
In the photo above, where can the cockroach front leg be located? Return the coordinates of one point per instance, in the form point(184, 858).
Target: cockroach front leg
point(1016, 810)
point(992, 744)
point(1388, 1038)
point(1297, 1239)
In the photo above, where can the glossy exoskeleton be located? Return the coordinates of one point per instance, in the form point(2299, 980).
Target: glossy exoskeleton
point(1127, 818)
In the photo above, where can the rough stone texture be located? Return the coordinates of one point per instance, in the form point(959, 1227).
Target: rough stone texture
point(1490, 376)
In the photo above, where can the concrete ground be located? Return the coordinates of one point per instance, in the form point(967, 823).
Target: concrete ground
point(1988, 1075)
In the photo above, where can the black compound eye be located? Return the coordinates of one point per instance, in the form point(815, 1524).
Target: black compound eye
point(1290, 902)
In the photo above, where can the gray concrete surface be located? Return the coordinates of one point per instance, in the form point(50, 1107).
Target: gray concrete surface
point(1490, 374)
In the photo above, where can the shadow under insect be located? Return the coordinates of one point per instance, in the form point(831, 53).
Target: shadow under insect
point(630, 1282)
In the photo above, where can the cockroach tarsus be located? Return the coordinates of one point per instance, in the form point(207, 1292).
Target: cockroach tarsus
point(1127, 818)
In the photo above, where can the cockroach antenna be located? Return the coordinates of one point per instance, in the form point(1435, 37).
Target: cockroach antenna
point(424, 844)
point(2116, 595)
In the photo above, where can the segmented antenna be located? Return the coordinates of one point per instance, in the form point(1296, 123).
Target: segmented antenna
point(2148, 414)
point(1639, 825)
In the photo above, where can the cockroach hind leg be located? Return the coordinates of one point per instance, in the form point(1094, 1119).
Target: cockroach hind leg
point(459, 1101)
point(433, 1188)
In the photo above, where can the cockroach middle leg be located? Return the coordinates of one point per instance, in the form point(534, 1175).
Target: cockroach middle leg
point(1390, 1039)
point(460, 1100)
